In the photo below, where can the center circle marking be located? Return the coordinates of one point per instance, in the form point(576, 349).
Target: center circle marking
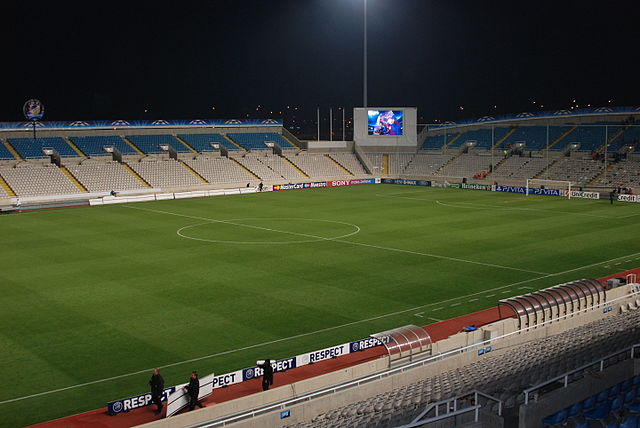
point(180, 232)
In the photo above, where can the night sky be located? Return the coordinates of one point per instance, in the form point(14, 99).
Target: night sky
point(180, 60)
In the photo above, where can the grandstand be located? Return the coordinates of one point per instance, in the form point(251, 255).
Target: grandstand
point(29, 148)
point(203, 142)
point(234, 158)
point(94, 145)
point(259, 141)
point(151, 144)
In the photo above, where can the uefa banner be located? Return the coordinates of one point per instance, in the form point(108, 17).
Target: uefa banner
point(176, 399)
point(135, 402)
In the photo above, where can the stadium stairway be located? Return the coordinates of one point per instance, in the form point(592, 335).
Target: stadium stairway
point(193, 171)
point(611, 139)
point(294, 166)
point(12, 150)
point(499, 164)
point(342, 167)
point(561, 137)
point(136, 175)
point(185, 144)
point(449, 162)
point(133, 146)
point(552, 163)
point(595, 179)
point(75, 148)
point(7, 189)
point(235, 144)
point(290, 141)
point(504, 137)
point(73, 179)
point(244, 167)
point(385, 164)
point(453, 140)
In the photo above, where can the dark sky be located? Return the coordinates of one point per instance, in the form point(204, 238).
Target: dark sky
point(177, 60)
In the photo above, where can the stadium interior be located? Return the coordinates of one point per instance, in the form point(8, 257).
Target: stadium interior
point(564, 356)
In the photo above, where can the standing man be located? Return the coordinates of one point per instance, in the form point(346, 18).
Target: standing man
point(612, 195)
point(193, 389)
point(267, 374)
point(157, 389)
point(260, 186)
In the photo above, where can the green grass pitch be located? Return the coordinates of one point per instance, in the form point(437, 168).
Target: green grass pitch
point(102, 292)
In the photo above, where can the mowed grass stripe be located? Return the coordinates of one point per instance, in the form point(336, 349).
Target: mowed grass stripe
point(121, 292)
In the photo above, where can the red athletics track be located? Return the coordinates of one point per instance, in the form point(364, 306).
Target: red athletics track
point(437, 331)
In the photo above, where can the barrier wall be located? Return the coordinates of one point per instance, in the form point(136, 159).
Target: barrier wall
point(249, 373)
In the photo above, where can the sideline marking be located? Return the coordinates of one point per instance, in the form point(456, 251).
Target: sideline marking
point(284, 339)
point(321, 238)
point(435, 319)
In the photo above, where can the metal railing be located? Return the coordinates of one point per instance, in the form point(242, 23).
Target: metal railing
point(282, 405)
point(451, 409)
point(565, 376)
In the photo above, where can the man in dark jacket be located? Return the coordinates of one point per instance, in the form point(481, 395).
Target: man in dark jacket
point(267, 376)
point(157, 389)
point(193, 389)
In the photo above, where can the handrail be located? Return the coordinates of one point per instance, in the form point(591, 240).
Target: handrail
point(454, 410)
point(566, 375)
point(388, 372)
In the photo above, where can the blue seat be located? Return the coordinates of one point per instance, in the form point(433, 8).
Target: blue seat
point(557, 418)
point(5, 154)
point(582, 423)
point(94, 145)
point(629, 397)
point(576, 409)
point(616, 403)
point(602, 396)
point(630, 422)
point(202, 142)
point(150, 144)
point(626, 385)
point(589, 403)
point(257, 141)
point(29, 148)
point(614, 390)
point(600, 412)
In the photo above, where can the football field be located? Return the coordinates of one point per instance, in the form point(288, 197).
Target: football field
point(92, 298)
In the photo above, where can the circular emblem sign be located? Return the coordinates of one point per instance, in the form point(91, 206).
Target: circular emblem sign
point(33, 109)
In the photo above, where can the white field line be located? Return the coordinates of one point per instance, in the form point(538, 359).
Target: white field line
point(322, 238)
point(285, 339)
point(434, 319)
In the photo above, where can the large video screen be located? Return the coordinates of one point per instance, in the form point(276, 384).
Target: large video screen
point(385, 122)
